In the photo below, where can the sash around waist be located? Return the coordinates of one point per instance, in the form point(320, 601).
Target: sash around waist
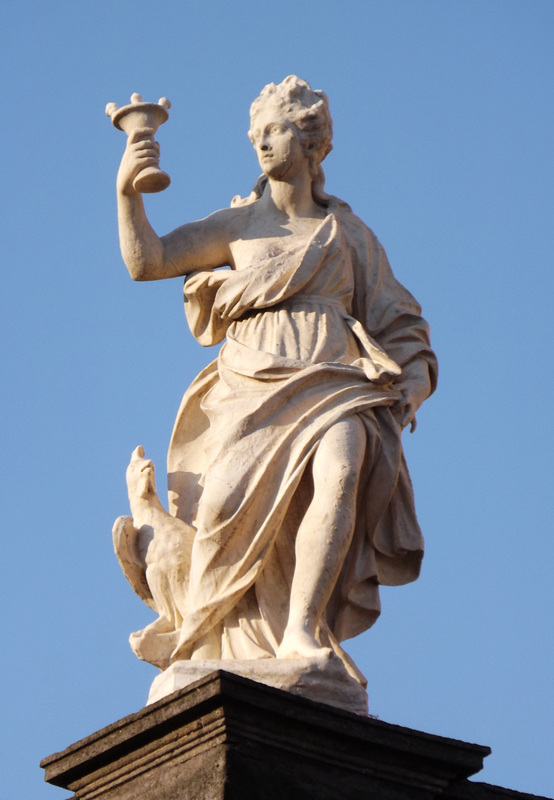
point(375, 362)
point(313, 300)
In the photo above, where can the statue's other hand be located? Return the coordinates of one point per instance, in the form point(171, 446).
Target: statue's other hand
point(415, 387)
point(141, 151)
point(404, 411)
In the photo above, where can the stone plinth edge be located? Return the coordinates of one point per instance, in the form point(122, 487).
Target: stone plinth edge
point(226, 736)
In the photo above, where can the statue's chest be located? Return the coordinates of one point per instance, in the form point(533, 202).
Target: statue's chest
point(248, 253)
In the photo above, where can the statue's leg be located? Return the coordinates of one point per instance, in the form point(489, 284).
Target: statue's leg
point(324, 535)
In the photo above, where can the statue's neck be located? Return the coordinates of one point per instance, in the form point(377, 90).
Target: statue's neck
point(292, 198)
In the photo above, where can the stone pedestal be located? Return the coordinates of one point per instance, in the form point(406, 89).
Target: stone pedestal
point(229, 737)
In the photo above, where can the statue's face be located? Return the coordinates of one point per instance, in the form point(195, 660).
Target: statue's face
point(277, 144)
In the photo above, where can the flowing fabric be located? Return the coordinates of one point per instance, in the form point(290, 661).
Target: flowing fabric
point(313, 336)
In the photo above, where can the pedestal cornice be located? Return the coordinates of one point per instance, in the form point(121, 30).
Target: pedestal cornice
point(228, 737)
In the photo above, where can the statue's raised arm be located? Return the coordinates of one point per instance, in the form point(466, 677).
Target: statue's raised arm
point(290, 499)
point(198, 245)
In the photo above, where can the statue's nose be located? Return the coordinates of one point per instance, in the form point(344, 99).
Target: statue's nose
point(264, 146)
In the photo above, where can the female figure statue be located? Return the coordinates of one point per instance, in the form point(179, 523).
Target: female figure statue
point(290, 497)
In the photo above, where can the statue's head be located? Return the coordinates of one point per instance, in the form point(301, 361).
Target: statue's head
point(306, 109)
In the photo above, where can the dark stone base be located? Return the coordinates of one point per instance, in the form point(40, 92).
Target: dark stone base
point(229, 737)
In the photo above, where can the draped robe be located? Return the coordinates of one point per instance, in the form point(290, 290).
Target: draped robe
point(313, 335)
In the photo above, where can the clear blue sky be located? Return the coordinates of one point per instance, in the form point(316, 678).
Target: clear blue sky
point(444, 124)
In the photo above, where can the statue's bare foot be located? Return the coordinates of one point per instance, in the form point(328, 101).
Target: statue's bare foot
point(301, 644)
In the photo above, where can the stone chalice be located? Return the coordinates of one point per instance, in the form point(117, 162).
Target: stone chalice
point(143, 115)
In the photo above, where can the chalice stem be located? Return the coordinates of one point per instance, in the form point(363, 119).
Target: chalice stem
point(143, 115)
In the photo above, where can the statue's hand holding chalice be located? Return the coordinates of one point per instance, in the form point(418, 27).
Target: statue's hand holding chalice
point(140, 122)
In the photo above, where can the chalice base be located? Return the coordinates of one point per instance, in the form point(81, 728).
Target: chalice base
point(150, 180)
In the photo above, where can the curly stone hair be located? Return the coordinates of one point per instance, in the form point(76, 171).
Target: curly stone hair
point(306, 108)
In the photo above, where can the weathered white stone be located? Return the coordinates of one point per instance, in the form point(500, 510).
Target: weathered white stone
point(290, 500)
point(323, 678)
point(143, 119)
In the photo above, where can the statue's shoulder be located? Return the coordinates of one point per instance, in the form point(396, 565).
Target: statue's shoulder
point(231, 221)
point(357, 234)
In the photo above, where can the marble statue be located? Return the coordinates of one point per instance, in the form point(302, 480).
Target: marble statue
point(289, 497)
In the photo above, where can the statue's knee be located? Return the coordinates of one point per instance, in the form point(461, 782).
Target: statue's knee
point(347, 481)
